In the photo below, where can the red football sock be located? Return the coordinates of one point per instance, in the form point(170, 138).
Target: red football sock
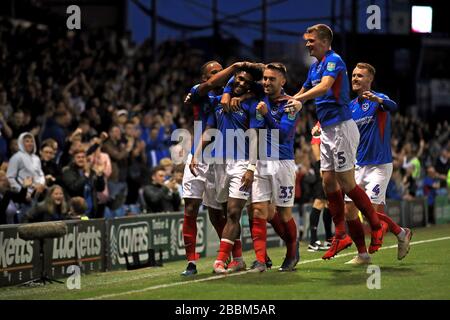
point(291, 238)
point(336, 206)
point(190, 236)
point(225, 249)
point(278, 225)
point(356, 230)
point(259, 236)
point(237, 249)
point(393, 227)
point(362, 202)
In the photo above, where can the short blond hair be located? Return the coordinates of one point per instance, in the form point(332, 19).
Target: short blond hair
point(323, 31)
point(367, 66)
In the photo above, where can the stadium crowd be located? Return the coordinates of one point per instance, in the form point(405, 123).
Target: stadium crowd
point(90, 115)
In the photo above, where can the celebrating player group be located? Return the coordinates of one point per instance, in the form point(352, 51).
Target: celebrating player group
point(244, 156)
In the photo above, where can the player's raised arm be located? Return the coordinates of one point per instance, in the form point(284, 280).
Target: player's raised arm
point(383, 100)
point(220, 78)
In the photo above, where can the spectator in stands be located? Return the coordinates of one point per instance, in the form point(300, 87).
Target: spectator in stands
point(395, 189)
point(25, 163)
point(78, 208)
point(81, 179)
point(52, 208)
point(442, 167)
point(17, 123)
point(118, 150)
point(9, 198)
point(431, 184)
point(99, 158)
point(167, 164)
point(56, 127)
point(156, 148)
point(160, 197)
point(50, 168)
point(5, 134)
point(138, 173)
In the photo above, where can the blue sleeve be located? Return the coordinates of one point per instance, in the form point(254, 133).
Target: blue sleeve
point(194, 89)
point(388, 104)
point(308, 83)
point(286, 125)
point(333, 66)
point(229, 87)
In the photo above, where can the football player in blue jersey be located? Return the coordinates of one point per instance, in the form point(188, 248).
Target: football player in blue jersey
point(195, 190)
point(328, 84)
point(275, 173)
point(235, 163)
point(371, 112)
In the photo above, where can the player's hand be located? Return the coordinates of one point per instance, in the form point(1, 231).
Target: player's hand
point(247, 181)
point(316, 131)
point(293, 106)
point(188, 99)
point(261, 108)
point(242, 64)
point(283, 98)
point(372, 97)
point(235, 104)
point(193, 166)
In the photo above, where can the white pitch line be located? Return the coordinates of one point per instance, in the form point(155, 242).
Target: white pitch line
point(161, 286)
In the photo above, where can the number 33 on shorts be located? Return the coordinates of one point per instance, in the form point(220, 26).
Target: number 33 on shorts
point(286, 193)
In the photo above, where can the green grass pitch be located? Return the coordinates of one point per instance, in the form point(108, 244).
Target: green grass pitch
point(423, 274)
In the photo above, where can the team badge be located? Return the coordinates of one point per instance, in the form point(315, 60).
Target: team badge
point(331, 66)
point(259, 116)
point(291, 115)
point(365, 106)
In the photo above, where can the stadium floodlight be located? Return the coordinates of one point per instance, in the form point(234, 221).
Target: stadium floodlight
point(422, 19)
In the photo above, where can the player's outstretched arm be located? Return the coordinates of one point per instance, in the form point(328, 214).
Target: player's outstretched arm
point(325, 84)
point(384, 101)
point(220, 78)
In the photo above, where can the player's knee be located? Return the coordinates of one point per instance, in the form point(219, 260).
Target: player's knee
point(234, 214)
point(346, 181)
point(191, 208)
point(259, 212)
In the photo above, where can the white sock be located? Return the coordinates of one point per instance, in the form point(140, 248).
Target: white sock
point(402, 234)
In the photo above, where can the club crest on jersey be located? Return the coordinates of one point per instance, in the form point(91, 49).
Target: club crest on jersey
point(291, 115)
point(331, 66)
point(259, 116)
point(365, 106)
point(274, 110)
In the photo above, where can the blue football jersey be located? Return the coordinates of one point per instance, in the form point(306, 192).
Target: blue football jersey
point(202, 107)
point(232, 126)
point(285, 123)
point(332, 107)
point(374, 124)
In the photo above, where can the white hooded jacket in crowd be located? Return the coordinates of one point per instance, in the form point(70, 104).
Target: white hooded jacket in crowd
point(23, 164)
